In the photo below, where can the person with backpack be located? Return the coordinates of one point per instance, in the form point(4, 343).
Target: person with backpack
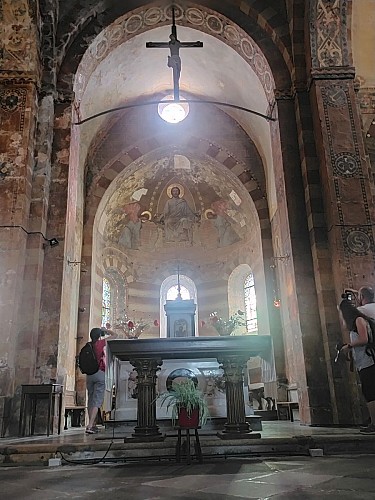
point(95, 382)
point(360, 334)
point(366, 297)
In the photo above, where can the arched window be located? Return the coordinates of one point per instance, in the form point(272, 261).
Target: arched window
point(250, 304)
point(173, 292)
point(106, 302)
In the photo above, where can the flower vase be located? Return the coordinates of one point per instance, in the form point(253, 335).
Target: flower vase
point(188, 421)
point(225, 331)
point(134, 333)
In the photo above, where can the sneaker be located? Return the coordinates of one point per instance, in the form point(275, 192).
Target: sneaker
point(370, 429)
point(91, 430)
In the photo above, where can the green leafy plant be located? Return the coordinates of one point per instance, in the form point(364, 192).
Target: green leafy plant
point(226, 327)
point(184, 394)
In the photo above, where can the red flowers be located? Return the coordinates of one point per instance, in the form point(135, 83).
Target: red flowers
point(156, 322)
point(130, 324)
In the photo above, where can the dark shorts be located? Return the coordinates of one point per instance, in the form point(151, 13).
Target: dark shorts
point(367, 377)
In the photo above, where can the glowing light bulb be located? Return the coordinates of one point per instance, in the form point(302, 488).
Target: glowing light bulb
point(173, 112)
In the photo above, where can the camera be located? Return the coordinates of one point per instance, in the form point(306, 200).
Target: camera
point(103, 333)
point(348, 295)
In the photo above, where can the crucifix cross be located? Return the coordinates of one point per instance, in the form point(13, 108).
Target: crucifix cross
point(174, 60)
point(178, 282)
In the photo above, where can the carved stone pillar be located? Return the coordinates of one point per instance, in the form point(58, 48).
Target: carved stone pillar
point(236, 425)
point(346, 186)
point(146, 428)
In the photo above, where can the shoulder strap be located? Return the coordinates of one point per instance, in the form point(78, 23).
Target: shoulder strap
point(94, 353)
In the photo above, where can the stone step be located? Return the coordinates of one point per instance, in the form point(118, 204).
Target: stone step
point(213, 423)
point(266, 415)
point(121, 450)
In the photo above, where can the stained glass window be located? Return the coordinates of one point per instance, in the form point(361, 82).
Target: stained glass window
point(173, 292)
point(106, 302)
point(250, 304)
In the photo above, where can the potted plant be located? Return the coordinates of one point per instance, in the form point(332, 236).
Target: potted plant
point(189, 407)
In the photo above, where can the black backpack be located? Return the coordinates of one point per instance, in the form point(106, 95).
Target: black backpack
point(370, 347)
point(87, 361)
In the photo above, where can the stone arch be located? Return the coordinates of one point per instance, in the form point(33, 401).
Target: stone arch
point(212, 23)
point(244, 175)
point(231, 162)
point(101, 157)
point(267, 27)
point(204, 148)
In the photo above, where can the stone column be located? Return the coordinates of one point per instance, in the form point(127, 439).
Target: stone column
point(236, 425)
point(345, 179)
point(22, 246)
point(146, 428)
point(19, 105)
point(52, 340)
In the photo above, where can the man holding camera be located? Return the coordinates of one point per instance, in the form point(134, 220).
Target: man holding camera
point(96, 383)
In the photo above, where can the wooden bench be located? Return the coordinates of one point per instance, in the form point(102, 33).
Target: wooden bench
point(290, 406)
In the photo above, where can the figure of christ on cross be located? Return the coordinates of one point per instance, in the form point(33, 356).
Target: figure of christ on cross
point(174, 60)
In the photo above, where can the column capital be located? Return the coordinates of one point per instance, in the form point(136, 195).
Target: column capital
point(63, 96)
point(286, 94)
point(146, 369)
point(233, 367)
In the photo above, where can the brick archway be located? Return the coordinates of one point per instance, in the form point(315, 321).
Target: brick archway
point(267, 27)
point(201, 147)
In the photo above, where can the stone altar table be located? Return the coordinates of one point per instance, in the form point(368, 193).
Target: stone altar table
point(147, 355)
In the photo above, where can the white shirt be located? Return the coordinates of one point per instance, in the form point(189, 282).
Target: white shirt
point(368, 310)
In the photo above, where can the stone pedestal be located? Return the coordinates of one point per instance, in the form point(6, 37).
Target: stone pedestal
point(180, 318)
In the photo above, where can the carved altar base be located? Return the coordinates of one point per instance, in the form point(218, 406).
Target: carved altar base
point(147, 355)
point(206, 373)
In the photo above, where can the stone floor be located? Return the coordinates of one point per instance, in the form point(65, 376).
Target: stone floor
point(234, 478)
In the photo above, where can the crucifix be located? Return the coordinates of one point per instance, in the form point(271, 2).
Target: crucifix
point(174, 60)
point(178, 283)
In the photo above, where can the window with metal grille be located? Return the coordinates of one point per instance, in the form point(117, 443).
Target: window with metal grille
point(250, 304)
point(106, 302)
